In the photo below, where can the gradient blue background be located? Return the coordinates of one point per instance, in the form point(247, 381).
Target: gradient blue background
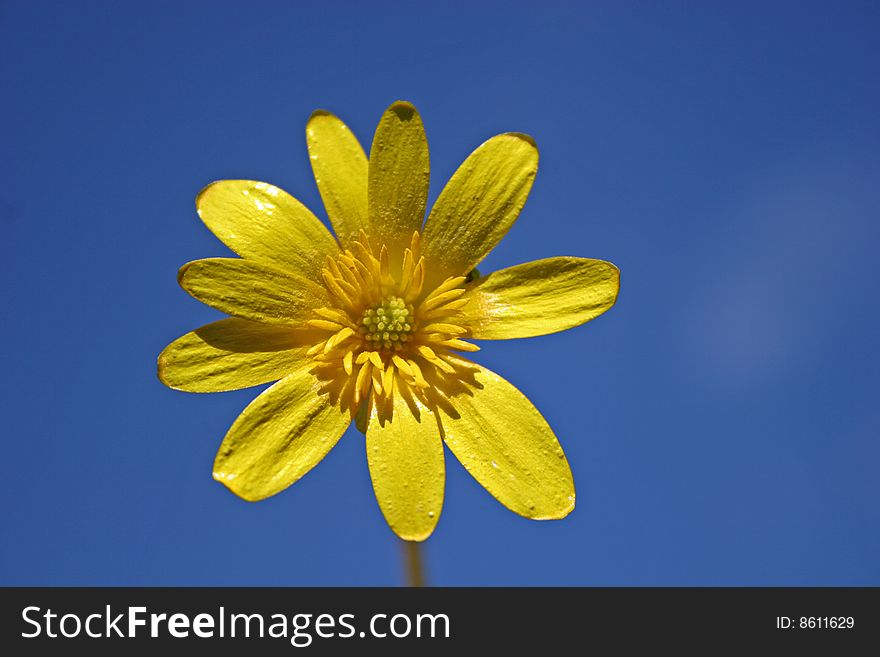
point(721, 421)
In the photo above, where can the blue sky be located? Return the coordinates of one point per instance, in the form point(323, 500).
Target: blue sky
point(721, 420)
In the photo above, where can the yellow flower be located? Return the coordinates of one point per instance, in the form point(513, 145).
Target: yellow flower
point(368, 326)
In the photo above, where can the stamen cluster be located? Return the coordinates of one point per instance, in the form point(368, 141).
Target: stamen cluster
point(384, 333)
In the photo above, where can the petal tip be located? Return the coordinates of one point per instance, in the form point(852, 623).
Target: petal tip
point(181, 274)
point(523, 137)
point(569, 507)
point(404, 110)
point(162, 366)
point(200, 197)
point(566, 506)
point(616, 273)
point(164, 371)
point(415, 537)
point(318, 121)
point(228, 480)
point(319, 114)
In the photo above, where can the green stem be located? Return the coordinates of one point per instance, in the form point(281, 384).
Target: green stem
point(415, 569)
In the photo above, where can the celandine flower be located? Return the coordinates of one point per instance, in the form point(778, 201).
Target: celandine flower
point(369, 326)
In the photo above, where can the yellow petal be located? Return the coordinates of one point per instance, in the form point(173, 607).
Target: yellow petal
point(503, 441)
point(262, 222)
point(279, 437)
point(340, 168)
point(252, 290)
point(406, 466)
point(229, 355)
point(540, 297)
point(478, 205)
point(398, 179)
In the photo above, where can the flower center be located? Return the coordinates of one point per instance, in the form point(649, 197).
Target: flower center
point(385, 335)
point(388, 325)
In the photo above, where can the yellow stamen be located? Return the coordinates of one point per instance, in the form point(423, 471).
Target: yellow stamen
point(449, 284)
point(325, 324)
point(460, 345)
point(402, 365)
point(418, 279)
point(435, 301)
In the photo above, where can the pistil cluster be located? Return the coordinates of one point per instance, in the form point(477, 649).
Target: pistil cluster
point(389, 325)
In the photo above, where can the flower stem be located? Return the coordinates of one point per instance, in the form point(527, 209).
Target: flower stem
point(415, 570)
